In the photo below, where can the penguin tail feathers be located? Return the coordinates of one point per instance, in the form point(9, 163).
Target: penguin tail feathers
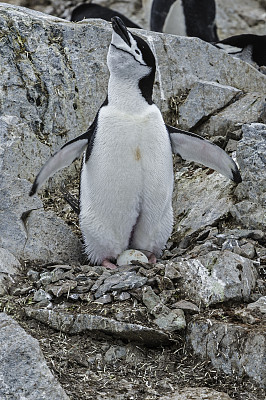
point(192, 147)
point(61, 159)
point(70, 199)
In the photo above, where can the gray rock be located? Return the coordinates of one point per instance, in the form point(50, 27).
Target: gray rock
point(171, 272)
point(9, 270)
point(115, 353)
point(166, 319)
point(245, 317)
point(234, 349)
point(121, 296)
point(243, 111)
point(198, 393)
point(27, 231)
point(45, 278)
point(105, 299)
point(244, 249)
point(61, 287)
point(204, 98)
point(50, 239)
point(260, 305)
point(77, 323)
point(199, 200)
point(187, 306)
point(247, 250)
point(41, 295)
point(100, 280)
point(33, 275)
point(231, 17)
point(23, 370)
point(120, 282)
point(217, 277)
point(250, 211)
point(241, 234)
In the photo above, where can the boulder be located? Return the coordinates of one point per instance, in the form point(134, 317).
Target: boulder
point(77, 323)
point(205, 99)
point(30, 233)
point(10, 270)
point(251, 149)
point(233, 349)
point(246, 109)
point(200, 199)
point(217, 277)
point(23, 371)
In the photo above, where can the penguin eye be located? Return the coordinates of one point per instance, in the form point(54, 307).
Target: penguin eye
point(137, 51)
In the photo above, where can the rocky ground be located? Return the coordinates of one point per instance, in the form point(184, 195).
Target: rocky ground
point(193, 325)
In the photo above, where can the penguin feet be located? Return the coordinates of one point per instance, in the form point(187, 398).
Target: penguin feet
point(152, 259)
point(108, 264)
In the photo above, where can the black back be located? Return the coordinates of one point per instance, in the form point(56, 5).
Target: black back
point(96, 11)
point(257, 42)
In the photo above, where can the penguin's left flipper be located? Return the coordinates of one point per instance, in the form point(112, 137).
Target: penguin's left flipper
point(61, 159)
point(192, 147)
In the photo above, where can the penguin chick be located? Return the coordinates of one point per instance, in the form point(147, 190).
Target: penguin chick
point(185, 17)
point(248, 47)
point(127, 172)
point(96, 11)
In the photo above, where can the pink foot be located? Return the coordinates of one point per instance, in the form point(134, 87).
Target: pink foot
point(107, 264)
point(152, 259)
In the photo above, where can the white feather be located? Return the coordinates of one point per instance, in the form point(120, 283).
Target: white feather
point(127, 183)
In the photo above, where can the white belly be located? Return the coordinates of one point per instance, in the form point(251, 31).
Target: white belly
point(129, 172)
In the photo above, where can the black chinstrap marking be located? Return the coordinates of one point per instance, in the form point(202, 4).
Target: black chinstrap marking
point(125, 51)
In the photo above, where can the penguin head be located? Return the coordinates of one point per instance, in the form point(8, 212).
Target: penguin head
point(130, 58)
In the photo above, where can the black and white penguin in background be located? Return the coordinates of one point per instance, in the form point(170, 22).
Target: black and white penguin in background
point(185, 18)
point(90, 10)
point(248, 47)
point(127, 173)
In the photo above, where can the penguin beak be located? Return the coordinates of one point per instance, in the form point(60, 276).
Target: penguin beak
point(120, 28)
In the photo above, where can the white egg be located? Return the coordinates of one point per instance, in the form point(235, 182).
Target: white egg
point(128, 256)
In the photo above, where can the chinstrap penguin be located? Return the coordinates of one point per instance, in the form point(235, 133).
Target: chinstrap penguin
point(96, 11)
point(185, 17)
point(248, 47)
point(127, 172)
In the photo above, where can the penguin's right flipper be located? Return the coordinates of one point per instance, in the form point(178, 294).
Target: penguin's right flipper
point(192, 147)
point(61, 159)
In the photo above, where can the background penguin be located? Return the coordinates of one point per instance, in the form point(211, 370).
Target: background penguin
point(248, 47)
point(185, 18)
point(127, 173)
point(96, 11)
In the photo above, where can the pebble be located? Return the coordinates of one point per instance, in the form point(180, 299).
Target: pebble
point(187, 306)
point(41, 295)
point(105, 299)
point(260, 305)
